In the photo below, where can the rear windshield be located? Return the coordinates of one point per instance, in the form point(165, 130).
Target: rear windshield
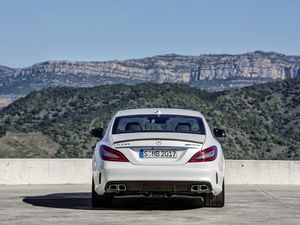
point(158, 123)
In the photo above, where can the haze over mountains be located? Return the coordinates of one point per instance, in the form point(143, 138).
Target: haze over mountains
point(210, 72)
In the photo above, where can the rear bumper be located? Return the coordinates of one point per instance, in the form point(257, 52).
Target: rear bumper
point(170, 179)
point(147, 187)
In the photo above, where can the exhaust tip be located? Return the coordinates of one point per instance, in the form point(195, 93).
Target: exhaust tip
point(116, 188)
point(199, 188)
point(195, 188)
point(113, 187)
point(122, 187)
point(204, 188)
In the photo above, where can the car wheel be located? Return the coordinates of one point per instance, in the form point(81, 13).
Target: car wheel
point(215, 201)
point(104, 200)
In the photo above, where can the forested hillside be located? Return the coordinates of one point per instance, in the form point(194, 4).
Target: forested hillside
point(262, 121)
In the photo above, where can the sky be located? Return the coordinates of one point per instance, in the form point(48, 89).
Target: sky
point(33, 31)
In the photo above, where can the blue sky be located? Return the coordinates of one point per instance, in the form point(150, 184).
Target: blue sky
point(37, 30)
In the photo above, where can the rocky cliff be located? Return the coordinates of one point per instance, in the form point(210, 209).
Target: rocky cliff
point(212, 72)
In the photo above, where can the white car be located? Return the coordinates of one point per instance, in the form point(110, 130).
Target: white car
point(158, 152)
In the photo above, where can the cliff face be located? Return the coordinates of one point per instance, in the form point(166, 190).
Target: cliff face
point(251, 65)
point(212, 72)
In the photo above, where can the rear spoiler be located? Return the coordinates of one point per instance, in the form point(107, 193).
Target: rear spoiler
point(185, 137)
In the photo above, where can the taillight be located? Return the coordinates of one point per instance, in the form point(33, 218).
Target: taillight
point(110, 154)
point(206, 155)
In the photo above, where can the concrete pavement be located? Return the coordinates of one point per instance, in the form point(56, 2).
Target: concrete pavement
point(70, 204)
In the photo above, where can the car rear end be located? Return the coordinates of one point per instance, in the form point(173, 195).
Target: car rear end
point(162, 152)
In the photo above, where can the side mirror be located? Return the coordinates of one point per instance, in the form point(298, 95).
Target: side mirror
point(97, 132)
point(219, 132)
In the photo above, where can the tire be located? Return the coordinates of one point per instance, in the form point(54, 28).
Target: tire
point(100, 200)
point(215, 201)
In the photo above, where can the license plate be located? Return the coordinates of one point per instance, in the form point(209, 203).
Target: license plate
point(158, 154)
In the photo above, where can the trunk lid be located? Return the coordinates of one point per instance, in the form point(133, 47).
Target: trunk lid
point(181, 145)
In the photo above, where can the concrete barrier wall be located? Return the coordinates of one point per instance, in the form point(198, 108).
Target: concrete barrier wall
point(45, 171)
point(262, 172)
point(78, 171)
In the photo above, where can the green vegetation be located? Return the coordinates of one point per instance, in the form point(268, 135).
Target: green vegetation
point(261, 121)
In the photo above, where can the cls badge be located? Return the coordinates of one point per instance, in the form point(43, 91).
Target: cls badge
point(158, 142)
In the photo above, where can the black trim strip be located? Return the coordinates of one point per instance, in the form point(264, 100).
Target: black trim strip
point(166, 139)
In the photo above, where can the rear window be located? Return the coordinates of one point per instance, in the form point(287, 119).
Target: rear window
point(158, 123)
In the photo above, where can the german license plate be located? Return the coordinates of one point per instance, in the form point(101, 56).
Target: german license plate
point(158, 154)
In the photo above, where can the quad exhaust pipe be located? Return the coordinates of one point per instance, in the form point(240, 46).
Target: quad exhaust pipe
point(116, 188)
point(199, 188)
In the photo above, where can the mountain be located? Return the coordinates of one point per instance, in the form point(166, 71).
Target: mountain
point(262, 121)
point(4, 71)
point(210, 72)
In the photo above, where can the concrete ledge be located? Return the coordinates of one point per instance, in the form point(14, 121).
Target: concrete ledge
point(79, 171)
point(262, 172)
point(45, 171)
